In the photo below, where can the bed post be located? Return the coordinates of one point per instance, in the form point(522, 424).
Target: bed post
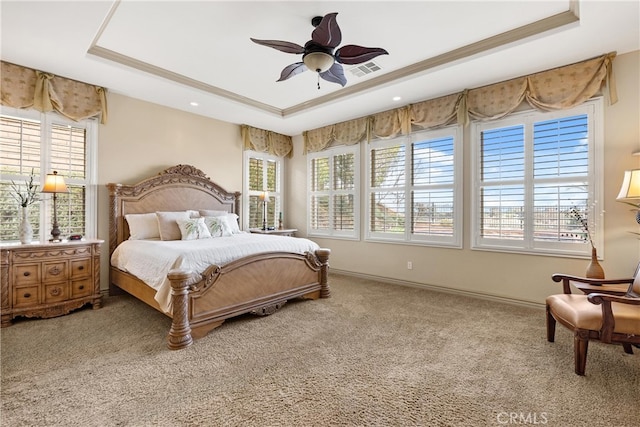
point(180, 332)
point(323, 257)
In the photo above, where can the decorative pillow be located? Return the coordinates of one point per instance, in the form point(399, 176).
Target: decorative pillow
point(204, 212)
point(218, 226)
point(232, 221)
point(193, 213)
point(193, 229)
point(143, 226)
point(168, 226)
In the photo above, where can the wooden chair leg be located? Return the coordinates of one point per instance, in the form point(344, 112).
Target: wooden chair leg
point(627, 348)
point(581, 345)
point(551, 326)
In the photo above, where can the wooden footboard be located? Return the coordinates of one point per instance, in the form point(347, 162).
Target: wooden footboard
point(254, 284)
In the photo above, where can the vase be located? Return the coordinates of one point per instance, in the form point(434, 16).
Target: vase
point(594, 269)
point(25, 230)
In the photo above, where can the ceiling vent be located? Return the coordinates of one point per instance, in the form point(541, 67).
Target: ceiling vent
point(364, 69)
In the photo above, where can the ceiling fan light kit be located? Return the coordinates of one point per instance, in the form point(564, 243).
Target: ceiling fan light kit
point(318, 53)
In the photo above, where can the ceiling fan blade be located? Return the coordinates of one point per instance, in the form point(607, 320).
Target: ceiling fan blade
point(353, 54)
point(280, 45)
point(335, 74)
point(327, 33)
point(292, 70)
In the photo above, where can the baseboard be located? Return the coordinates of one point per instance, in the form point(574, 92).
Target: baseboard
point(453, 291)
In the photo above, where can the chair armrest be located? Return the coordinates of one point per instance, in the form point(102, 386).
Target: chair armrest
point(608, 321)
point(601, 298)
point(566, 279)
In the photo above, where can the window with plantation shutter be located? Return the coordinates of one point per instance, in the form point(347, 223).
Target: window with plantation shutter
point(532, 170)
point(414, 187)
point(35, 144)
point(333, 192)
point(263, 172)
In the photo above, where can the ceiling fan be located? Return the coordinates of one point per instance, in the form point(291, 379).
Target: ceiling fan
point(318, 54)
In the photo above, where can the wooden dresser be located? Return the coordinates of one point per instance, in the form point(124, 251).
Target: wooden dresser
point(48, 279)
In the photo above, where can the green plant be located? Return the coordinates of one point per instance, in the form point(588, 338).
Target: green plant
point(28, 197)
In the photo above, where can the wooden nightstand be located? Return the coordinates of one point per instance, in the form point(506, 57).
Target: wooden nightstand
point(277, 232)
point(48, 279)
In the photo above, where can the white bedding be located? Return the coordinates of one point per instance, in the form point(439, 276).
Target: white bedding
point(151, 260)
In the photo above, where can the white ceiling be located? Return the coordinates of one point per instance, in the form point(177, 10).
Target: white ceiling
point(177, 52)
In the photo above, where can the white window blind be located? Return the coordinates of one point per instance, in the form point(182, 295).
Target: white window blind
point(32, 142)
point(414, 189)
point(532, 170)
point(262, 173)
point(333, 192)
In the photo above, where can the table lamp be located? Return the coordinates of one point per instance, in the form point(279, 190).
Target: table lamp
point(54, 184)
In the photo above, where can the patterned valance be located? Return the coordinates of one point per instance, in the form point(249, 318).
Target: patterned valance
point(556, 89)
point(24, 87)
point(345, 133)
point(266, 141)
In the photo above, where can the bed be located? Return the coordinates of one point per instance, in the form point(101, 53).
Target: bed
point(199, 301)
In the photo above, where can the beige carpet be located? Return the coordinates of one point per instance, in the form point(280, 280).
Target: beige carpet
point(374, 354)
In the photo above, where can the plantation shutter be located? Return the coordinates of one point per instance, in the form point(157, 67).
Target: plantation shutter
point(432, 187)
point(387, 196)
point(561, 169)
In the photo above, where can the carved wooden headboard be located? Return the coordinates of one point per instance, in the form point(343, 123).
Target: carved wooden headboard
point(177, 188)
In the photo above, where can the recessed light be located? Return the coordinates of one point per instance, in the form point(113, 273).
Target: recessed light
point(194, 104)
point(397, 98)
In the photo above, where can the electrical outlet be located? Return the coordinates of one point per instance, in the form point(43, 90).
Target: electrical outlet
point(409, 265)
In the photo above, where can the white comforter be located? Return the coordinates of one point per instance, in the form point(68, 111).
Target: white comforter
point(151, 260)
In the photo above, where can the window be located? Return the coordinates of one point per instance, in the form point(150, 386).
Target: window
point(334, 185)
point(262, 173)
point(413, 189)
point(530, 171)
point(38, 144)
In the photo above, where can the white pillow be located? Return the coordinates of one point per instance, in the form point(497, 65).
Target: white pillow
point(168, 226)
point(193, 213)
point(232, 220)
point(143, 226)
point(218, 226)
point(193, 229)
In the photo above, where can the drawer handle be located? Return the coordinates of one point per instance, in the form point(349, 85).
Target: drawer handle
point(55, 271)
point(81, 287)
point(26, 274)
point(27, 295)
point(55, 292)
point(81, 267)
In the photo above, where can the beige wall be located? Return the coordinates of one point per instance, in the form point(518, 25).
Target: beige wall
point(511, 276)
point(142, 139)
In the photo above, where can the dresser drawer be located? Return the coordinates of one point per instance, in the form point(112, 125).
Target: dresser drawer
point(26, 296)
point(56, 292)
point(55, 271)
point(82, 288)
point(80, 268)
point(26, 274)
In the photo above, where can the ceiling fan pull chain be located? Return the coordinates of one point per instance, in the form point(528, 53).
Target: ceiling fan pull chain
point(318, 81)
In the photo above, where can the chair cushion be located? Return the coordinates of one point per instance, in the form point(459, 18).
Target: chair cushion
point(576, 310)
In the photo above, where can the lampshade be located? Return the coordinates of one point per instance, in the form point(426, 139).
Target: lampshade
point(264, 196)
point(54, 183)
point(630, 185)
point(318, 61)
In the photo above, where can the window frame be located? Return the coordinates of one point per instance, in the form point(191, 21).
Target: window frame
point(407, 237)
point(277, 196)
point(594, 111)
point(45, 206)
point(331, 154)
